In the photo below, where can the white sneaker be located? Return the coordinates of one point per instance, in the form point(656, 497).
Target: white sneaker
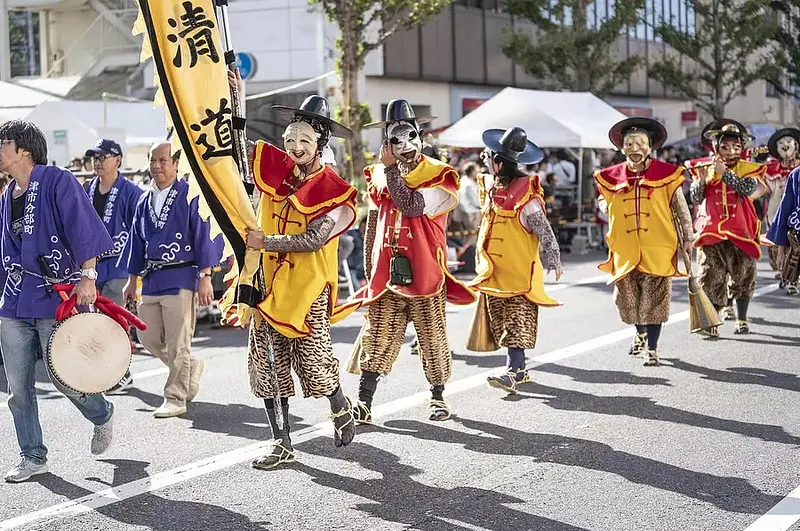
point(25, 470)
point(102, 437)
point(198, 366)
point(169, 409)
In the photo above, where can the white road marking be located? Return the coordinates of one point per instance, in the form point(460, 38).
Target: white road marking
point(183, 473)
point(781, 517)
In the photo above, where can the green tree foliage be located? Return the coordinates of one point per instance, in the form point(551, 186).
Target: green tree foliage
point(364, 25)
point(786, 77)
point(731, 49)
point(567, 49)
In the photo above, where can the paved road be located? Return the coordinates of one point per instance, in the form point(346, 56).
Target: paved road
point(709, 441)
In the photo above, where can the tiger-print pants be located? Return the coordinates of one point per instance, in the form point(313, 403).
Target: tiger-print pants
point(311, 356)
point(717, 262)
point(772, 253)
point(387, 319)
point(643, 299)
point(513, 321)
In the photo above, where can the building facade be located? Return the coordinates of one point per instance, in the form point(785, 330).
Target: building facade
point(445, 68)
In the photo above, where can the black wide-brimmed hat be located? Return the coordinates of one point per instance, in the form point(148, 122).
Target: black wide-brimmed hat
point(714, 125)
point(400, 111)
point(513, 144)
point(728, 127)
point(654, 129)
point(315, 107)
point(772, 143)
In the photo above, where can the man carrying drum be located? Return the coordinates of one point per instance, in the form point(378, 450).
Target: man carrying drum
point(171, 248)
point(49, 233)
point(114, 198)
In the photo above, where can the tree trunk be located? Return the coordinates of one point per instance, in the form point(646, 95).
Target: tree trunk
point(718, 103)
point(583, 81)
point(350, 68)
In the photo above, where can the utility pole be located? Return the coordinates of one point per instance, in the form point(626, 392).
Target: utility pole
point(5, 43)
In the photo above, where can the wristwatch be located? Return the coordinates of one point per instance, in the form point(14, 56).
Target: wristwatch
point(203, 275)
point(91, 274)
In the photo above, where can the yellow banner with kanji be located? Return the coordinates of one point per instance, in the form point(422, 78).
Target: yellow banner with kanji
point(184, 41)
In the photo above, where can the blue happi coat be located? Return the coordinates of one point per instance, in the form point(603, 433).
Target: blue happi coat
point(118, 219)
point(788, 215)
point(174, 235)
point(60, 231)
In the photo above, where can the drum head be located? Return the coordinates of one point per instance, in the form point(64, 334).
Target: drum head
point(89, 352)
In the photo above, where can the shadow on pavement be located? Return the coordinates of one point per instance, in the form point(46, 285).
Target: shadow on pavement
point(151, 511)
point(742, 375)
point(728, 493)
point(235, 420)
point(600, 376)
point(767, 322)
point(485, 360)
point(647, 409)
point(397, 497)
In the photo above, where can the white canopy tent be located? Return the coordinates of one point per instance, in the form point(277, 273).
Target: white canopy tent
point(576, 120)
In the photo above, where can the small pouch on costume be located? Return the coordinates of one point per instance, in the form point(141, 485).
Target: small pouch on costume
point(400, 270)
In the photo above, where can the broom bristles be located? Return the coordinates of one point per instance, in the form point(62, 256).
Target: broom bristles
point(702, 314)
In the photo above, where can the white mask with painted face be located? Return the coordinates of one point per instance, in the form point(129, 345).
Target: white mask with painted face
point(787, 147)
point(300, 142)
point(404, 141)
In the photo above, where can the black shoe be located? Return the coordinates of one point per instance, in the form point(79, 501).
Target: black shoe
point(124, 384)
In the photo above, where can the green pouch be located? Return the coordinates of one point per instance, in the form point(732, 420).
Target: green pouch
point(400, 270)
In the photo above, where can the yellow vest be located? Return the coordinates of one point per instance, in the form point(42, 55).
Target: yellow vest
point(295, 280)
point(641, 232)
point(508, 261)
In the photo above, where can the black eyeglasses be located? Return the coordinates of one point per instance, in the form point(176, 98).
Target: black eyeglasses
point(102, 158)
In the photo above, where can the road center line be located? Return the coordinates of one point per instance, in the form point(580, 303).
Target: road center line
point(215, 463)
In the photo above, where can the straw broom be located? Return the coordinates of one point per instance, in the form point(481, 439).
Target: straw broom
point(480, 338)
point(702, 314)
point(354, 361)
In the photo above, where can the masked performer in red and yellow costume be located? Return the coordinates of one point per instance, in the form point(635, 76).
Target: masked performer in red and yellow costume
point(727, 224)
point(694, 166)
point(514, 227)
point(784, 148)
point(646, 211)
point(303, 209)
point(405, 253)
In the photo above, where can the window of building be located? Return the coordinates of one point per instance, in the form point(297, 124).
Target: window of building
point(689, 27)
point(24, 43)
point(772, 91)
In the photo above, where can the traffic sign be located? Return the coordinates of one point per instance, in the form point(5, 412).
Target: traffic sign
point(246, 64)
point(60, 136)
